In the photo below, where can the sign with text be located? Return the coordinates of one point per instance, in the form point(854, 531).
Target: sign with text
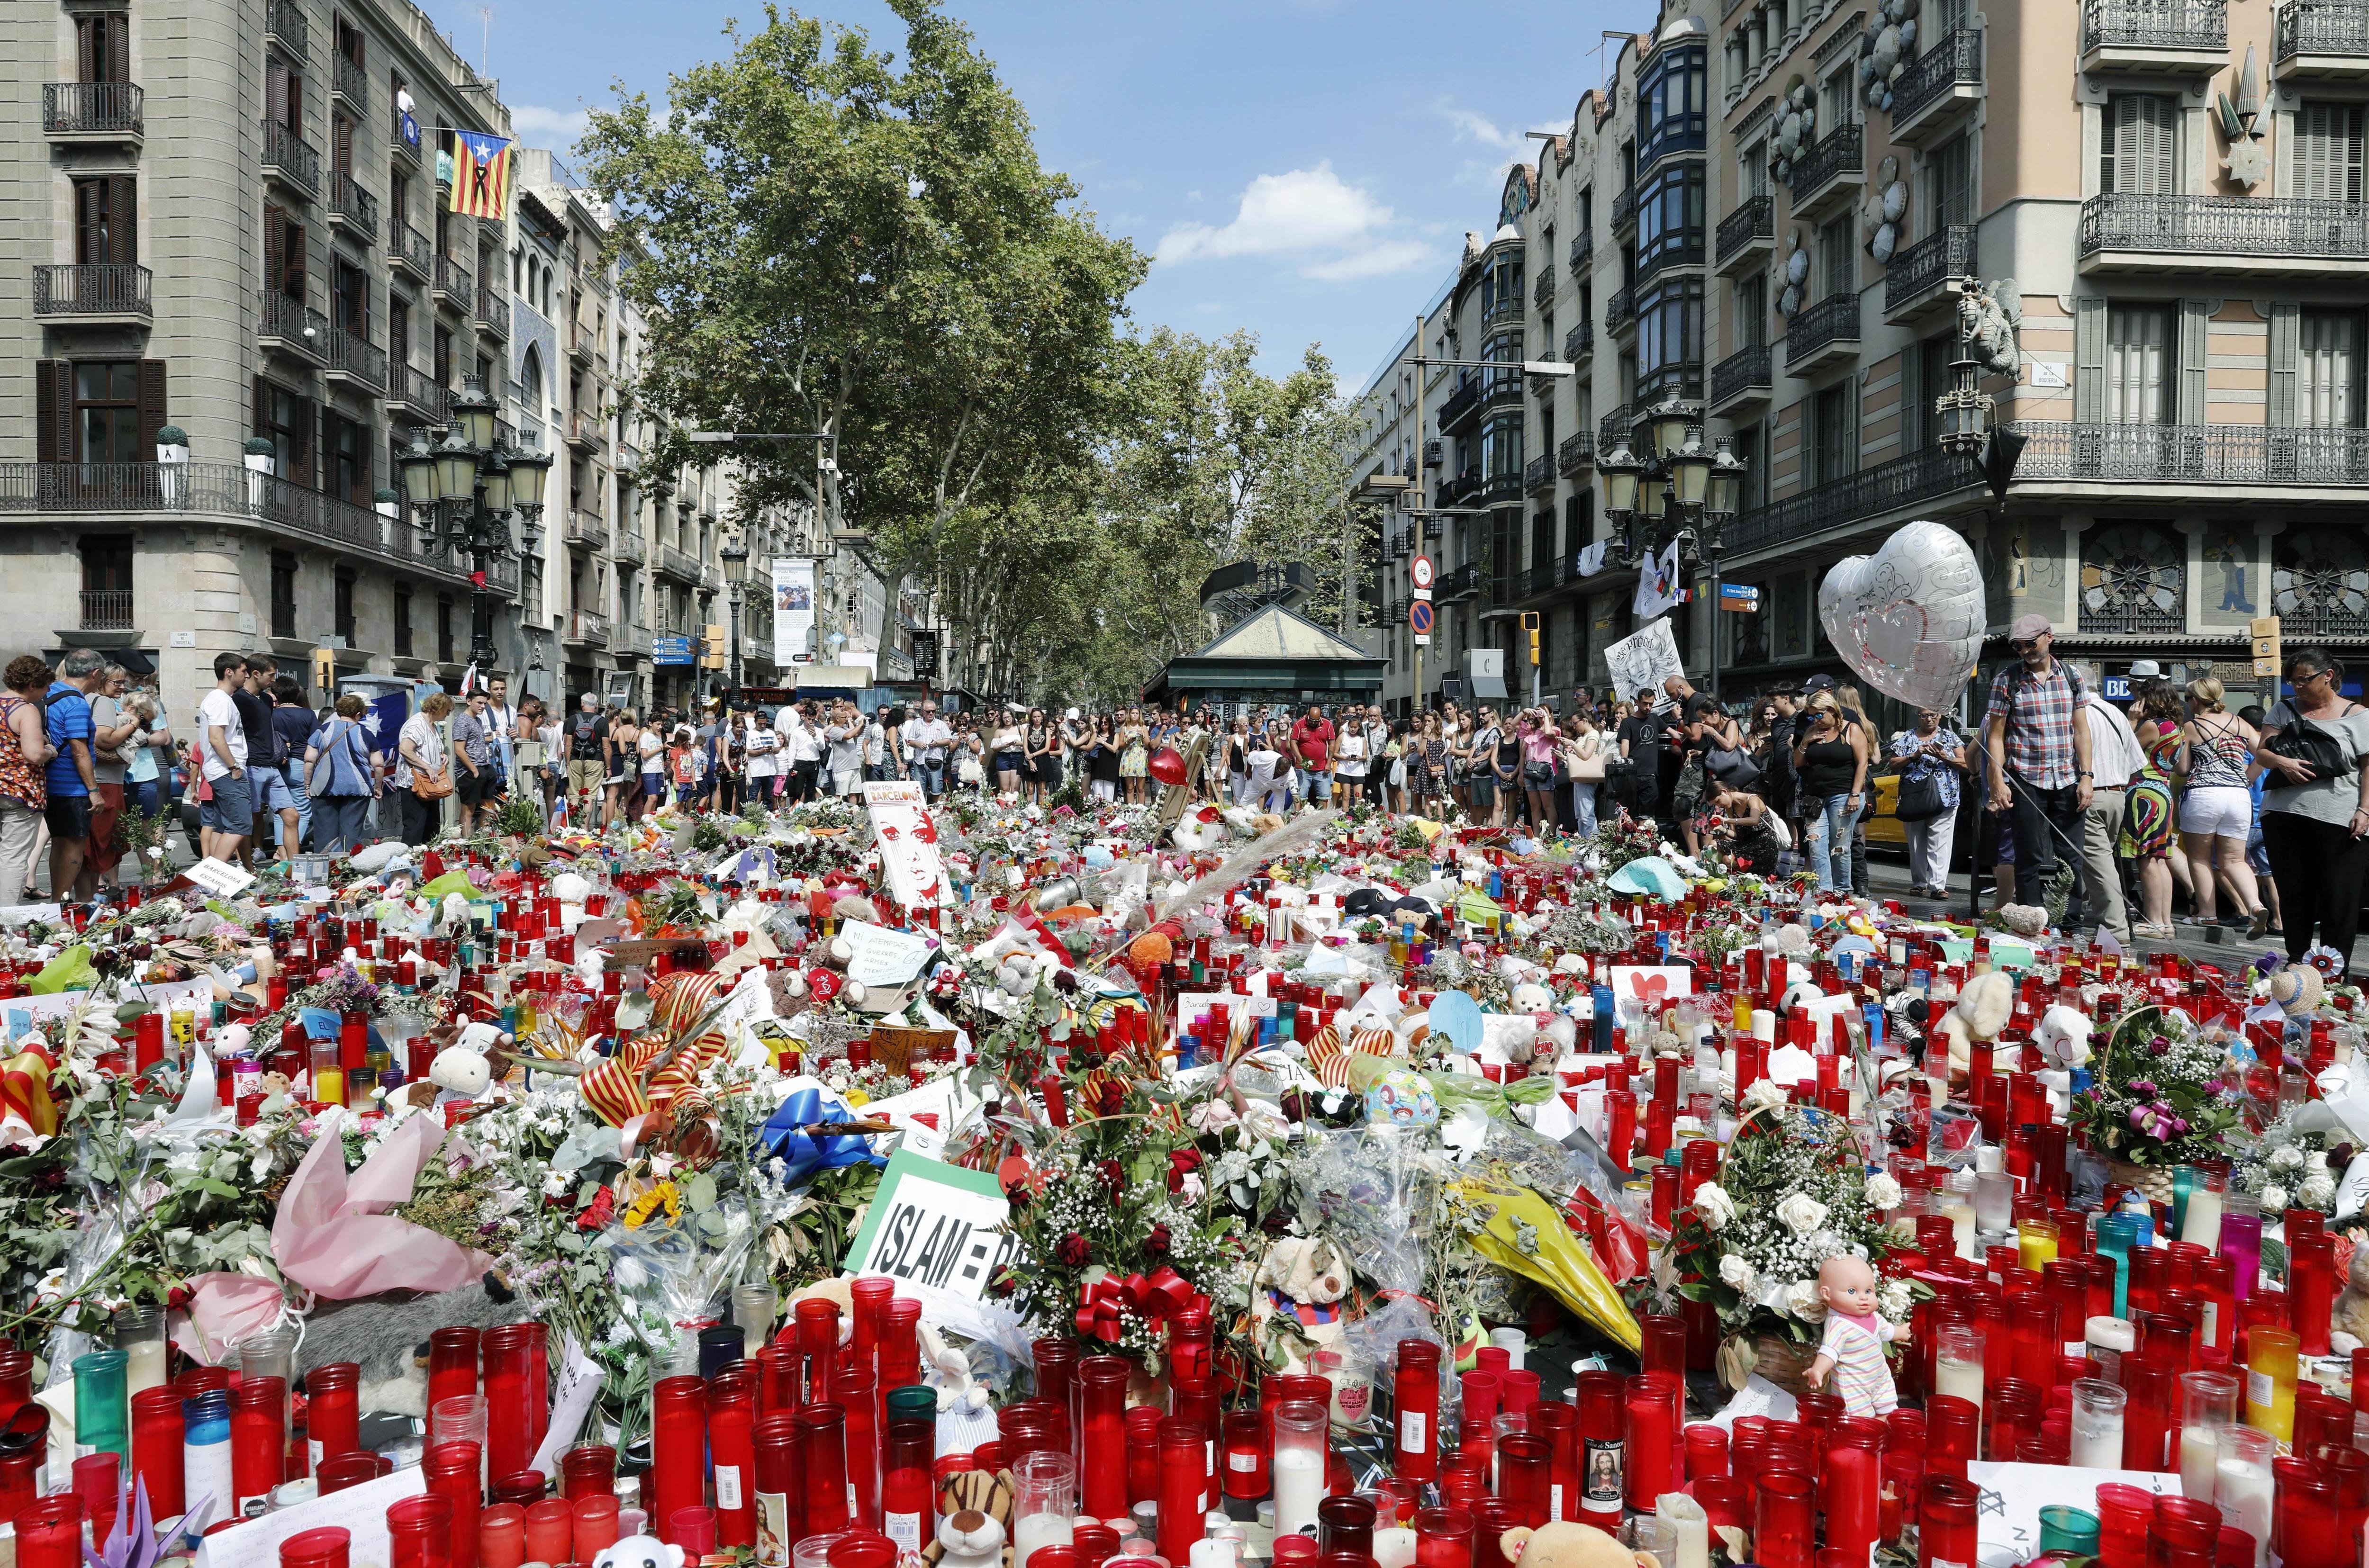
point(1644, 659)
point(908, 842)
point(1741, 596)
point(934, 1227)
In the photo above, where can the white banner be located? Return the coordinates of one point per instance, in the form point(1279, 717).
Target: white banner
point(794, 591)
point(908, 842)
point(1642, 661)
point(1658, 586)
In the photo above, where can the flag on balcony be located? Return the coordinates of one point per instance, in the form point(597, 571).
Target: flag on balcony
point(481, 171)
point(1657, 583)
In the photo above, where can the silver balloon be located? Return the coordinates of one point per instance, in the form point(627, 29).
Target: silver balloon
point(1908, 619)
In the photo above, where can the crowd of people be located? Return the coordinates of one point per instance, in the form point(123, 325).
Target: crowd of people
point(2172, 809)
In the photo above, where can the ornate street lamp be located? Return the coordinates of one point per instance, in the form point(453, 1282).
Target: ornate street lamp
point(1963, 412)
point(735, 578)
point(471, 485)
point(1620, 469)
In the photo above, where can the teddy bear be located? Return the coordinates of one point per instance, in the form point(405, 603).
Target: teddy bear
point(1306, 1268)
point(1986, 1003)
point(2063, 1036)
point(1566, 1543)
point(968, 1538)
point(638, 1552)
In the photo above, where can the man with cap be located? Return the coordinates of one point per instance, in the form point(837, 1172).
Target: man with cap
point(2039, 749)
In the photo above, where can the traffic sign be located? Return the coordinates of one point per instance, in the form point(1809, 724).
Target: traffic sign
point(1420, 571)
point(1424, 594)
point(1419, 617)
point(1739, 596)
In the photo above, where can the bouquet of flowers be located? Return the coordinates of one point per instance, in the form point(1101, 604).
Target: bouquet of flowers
point(2160, 1098)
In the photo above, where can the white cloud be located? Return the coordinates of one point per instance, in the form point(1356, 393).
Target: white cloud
point(538, 125)
point(1302, 210)
point(1378, 260)
point(1471, 126)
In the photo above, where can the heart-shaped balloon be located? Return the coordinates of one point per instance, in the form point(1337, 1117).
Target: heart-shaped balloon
point(1908, 618)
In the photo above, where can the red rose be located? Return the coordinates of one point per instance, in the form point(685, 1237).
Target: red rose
point(599, 1212)
point(1156, 1245)
point(1114, 1176)
point(1111, 1100)
point(180, 1296)
point(1181, 1162)
point(1071, 1251)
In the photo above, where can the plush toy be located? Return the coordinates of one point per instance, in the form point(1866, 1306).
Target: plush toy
point(1854, 1339)
point(970, 1537)
point(1306, 1268)
point(459, 1071)
point(949, 1373)
point(2352, 1314)
point(2063, 1036)
point(1565, 1543)
point(638, 1552)
point(1986, 1004)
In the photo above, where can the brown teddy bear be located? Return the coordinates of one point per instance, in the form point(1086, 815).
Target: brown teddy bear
point(1562, 1543)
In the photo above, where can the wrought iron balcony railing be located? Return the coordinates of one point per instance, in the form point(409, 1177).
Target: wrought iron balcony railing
point(2214, 228)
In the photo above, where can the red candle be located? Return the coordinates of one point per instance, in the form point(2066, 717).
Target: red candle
point(1945, 1518)
point(732, 1455)
point(1558, 1423)
point(588, 1470)
point(1603, 1425)
point(325, 1547)
point(1650, 1400)
point(49, 1533)
point(419, 1532)
point(1781, 1533)
point(258, 1442)
point(817, 1333)
point(593, 1524)
point(157, 1428)
point(1524, 1463)
point(1414, 1395)
point(908, 1512)
point(1102, 1394)
point(1443, 1538)
point(781, 1499)
point(509, 1445)
point(858, 1397)
point(452, 1364)
point(1243, 1473)
point(678, 1447)
point(333, 1409)
point(1183, 1466)
point(550, 1530)
point(1705, 1450)
point(900, 1349)
point(1850, 1487)
point(1142, 1424)
point(453, 1472)
point(501, 1536)
point(831, 1501)
point(2311, 1288)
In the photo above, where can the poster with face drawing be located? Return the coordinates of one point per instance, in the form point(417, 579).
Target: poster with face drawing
point(1908, 619)
point(1644, 659)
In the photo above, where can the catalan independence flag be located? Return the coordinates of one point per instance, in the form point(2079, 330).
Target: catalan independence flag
point(481, 172)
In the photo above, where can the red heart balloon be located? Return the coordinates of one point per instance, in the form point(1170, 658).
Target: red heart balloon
point(1168, 765)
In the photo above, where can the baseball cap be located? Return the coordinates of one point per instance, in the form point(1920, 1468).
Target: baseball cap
point(2145, 670)
point(2027, 627)
point(1071, 715)
point(1819, 683)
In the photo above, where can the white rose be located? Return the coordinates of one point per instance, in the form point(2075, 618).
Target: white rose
point(1801, 1299)
point(2274, 1198)
point(2287, 1157)
point(1734, 1271)
point(1765, 1093)
point(1801, 1213)
point(1882, 1191)
point(1892, 1299)
point(1718, 1209)
point(2318, 1188)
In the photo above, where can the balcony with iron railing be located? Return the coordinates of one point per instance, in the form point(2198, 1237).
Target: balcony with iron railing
point(630, 548)
point(2155, 35)
point(1576, 453)
point(292, 160)
point(1612, 431)
point(586, 628)
point(2215, 455)
point(1461, 490)
point(1680, 248)
point(2128, 231)
point(284, 23)
point(1542, 290)
point(93, 111)
point(107, 610)
point(579, 344)
point(226, 491)
point(1583, 252)
point(1620, 312)
point(1746, 237)
point(681, 565)
point(1681, 379)
point(1831, 173)
point(408, 249)
point(353, 358)
point(452, 285)
point(1920, 276)
point(583, 530)
point(1941, 85)
point(349, 79)
point(1580, 341)
point(1461, 406)
point(108, 294)
point(493, 312)
point(1822, 334)
point(1867, 496)
point(1743, 377)
point(292, 326)
point(588, 431)
point(2322, 38)
point(350, 207)
point(1624, 210)
point(415, 393)
point(1539, 474)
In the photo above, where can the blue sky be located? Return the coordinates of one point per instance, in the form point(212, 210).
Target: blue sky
point(1302, 168)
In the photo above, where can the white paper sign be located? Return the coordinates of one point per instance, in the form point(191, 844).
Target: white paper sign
point(1652, 985)
point(882, 956)
point(579, 1385)
point(2007, 1523)
point(1192, 1009)
point(220, 878)
point(908, 842)
point(940, 1239)
point(360, 1511)
point(20, 914)
point(1644, 659)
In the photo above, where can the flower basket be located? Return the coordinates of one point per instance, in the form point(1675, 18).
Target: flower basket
point(2155, 1180)
point(1779, 1360)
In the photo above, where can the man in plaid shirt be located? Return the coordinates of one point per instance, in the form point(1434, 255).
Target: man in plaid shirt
point(2038, 754)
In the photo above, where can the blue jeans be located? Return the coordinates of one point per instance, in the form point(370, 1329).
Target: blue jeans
point(933, 777)
point(1827, 824)
point(343, 823)
point(1583, 807)
point(1318, 786)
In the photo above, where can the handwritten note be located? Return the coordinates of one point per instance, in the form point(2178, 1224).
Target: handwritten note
point(220, 878)
point(2007, 1527)
point(882, 956)
point(358, 1510)
point(579, 1387)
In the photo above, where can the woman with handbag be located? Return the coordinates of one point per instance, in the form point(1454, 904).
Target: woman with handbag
point(422, 771)
point(341, 778)
point(1583, 749)
point(1830, 756)
point(1928, 802)
point(2316, 809)
point(1534, 732)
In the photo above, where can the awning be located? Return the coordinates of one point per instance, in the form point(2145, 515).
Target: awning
point(831, 676)
point(134, 661)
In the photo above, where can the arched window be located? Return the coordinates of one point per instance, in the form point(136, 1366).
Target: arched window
point(2133, 580)
point(531, 380)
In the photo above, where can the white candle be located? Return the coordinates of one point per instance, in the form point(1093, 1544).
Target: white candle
point(2242, 1492)
point(2199, 1453)
point(1764, 1024)
point(2202, 1223)
point(2111, 1339)
point(2097, 1425)
point(1688, 1518)
point(143, 1366)
point(1961, 1215)
point(1299, 1488)
point(1962, 1379)
point(1394, 1547)
point(1040, 1529)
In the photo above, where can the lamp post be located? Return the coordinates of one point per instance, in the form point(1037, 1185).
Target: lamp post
point(735, 578)
point(1686, 492)
point(464, 488)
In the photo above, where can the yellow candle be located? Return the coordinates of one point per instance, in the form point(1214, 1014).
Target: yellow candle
point(2271, 1381)
point(2036, 1242)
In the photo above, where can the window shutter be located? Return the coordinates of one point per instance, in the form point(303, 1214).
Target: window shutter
point(91, 48)
point(152, 403)
point(275, 92)
point(2088, 359)
point(122, 217)
point(275, 246)
point(52, 416)
point(2286, 320)
point(343, 153)
point(292, 281)
point(2160, 165)
point(119, 46)
point(1912, 401)
point(2195, 339)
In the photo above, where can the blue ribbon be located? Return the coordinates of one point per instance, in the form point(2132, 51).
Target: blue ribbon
point(807, 1154)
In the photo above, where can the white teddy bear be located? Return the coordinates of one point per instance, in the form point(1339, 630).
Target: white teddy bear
point(638, 1552)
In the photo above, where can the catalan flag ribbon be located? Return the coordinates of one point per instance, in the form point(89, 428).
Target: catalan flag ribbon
point(481, 172)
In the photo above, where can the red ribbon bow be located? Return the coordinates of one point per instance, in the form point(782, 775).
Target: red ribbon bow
point(1100, 1310)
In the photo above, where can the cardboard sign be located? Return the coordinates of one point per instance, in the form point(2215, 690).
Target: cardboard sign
point(220, 878)
point(21, 914)
point(358, 1510)
point(2006, 1529)
point(934, 1228)
point(908, 842)
point(1652, 985)
point(884, 957)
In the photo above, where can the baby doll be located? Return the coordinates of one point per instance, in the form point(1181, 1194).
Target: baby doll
point(1854, 1340)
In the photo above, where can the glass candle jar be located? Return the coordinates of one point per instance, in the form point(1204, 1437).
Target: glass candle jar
point(2311, 1290)
point(1182, 1461)
point(509, 1393)
point(900, 1348)
point(1102, 1422)
point(1414, 1395)
point(2098, 1424)
point(780, 1495)
point(1783, 1525)
point(325, 1547)
point(157, 1432)
point(2243, 1488)
point(1043, 1503)
point(753, 1305)
point(1300, 1452)
point(333, 1409)
point(1650, 1458)
point(452, 1364)
point(1958, 1356)
point(1524, 1463)
point(501, 1536)
point(1142, 1425)
point(140, 1335)
point(258, 1443)
point(454, 1472)
point(732, 1455)
point(817, 1324)
point(592, 1526)
point(419, 1533)
point(1443, 1538)
point(2270, 1379)
point(550, 1530)
point(102, 1402)
point(830, 1500)
point(2241, 1241)
point(678, 1446)
point(2208, 1402)
point(1947, 1511)
point(1243, 1457)
point(49, 1533)
point(907, 1511)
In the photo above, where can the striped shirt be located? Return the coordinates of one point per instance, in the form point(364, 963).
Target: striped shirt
point(1860, 1377)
